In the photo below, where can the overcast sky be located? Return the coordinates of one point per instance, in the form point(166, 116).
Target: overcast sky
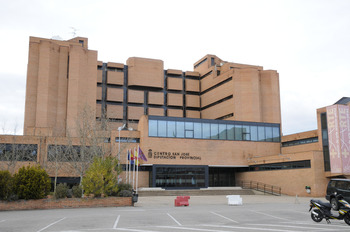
point(307, 42)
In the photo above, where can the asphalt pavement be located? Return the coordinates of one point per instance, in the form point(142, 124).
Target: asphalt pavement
point(158, 214)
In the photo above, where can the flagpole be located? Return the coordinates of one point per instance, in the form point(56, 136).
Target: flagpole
point(126, 168)
point(137, 168)
point(129, 168)
point(133, 173)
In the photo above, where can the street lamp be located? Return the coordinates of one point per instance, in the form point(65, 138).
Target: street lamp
point(119, 129)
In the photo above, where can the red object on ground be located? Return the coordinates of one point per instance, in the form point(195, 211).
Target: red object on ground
point(182, 201)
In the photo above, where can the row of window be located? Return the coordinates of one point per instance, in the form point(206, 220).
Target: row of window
point(64, 153)
point(18, 152)
point(211, 129)
point(300, 142)
point(279, 166)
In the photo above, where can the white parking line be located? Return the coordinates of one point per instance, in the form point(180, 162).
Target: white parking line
point(250, 228)
point(136, 230)
point(116, 222)
point(51, 224)
point(288, 226)
point(224, 217)
point(189, 228)
point(174, 219)
point(270, 215)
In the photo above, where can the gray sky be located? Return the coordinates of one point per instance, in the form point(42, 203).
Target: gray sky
point(307, 42)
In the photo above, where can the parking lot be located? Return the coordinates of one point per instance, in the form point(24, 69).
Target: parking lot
point(205, 213)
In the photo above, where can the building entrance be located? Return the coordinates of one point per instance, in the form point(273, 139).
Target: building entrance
point(177, 177)
point(221, 177)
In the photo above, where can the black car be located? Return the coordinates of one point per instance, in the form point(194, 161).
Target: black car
point(341, 186)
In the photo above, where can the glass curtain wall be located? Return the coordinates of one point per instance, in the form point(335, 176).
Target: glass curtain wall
point(213, 129)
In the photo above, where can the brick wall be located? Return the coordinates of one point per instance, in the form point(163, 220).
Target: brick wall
point(66, 203)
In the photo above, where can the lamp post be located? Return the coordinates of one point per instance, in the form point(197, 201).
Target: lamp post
point(119, 129)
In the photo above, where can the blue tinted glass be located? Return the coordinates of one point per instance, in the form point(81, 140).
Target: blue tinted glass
point(276, 134)
point(230, 132)
point(197, 130)
point(152, 128)
point(246, 133)
point(253, 133)
point(162, 128)
point(214, 132)
point(171, 129)
point(238, 132)
point(222, 131)
point(261, 133)
point(206, 130)
point(268, 131)
point(180, 129)
point(189, 125)
point(189, 134)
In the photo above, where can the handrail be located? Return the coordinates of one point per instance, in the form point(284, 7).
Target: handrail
point(265, 188)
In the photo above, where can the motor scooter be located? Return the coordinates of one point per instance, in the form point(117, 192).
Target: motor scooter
point(322, 210)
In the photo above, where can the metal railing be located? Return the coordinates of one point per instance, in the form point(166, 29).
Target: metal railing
point(265, 188)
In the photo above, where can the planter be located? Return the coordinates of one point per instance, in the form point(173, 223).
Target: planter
point(66, 203)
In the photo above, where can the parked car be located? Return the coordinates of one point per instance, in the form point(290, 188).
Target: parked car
point(341, 186)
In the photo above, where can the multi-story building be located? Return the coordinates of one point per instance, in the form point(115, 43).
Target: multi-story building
point(64, 76)
point(217, 125)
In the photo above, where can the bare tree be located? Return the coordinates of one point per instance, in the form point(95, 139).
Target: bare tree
point(57, 158)
point(12, 153)
point(93, 140)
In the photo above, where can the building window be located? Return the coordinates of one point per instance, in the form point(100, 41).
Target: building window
point(18, 152)
point(169, 176)
point(324, 128)
point(127, 140)
point(152, 128)
point(171, 129)
point(300, 142)
point(213, 129)
point(222, 132)
point(212, 61)
point(254, 133)
point(280, 166)
point(189, 131)
point(197, 130)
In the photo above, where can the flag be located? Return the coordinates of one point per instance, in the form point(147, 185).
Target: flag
point(141, 155)
point(137, 162)
point(128, 155)
point(132, 156)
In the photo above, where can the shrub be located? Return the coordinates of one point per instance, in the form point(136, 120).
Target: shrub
point(123, 186)
point(31, 182)
point(101, 177)
point(125, 193)
point(6, 181)
point(61, 191)
point(77, 191)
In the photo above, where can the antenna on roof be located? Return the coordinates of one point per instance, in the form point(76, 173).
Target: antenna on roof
point(74, 32)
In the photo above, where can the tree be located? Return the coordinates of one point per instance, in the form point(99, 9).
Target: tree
point(92, 140)
point(12, 153)
point(31, 182)
point(57, 158)
point(102, 177)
